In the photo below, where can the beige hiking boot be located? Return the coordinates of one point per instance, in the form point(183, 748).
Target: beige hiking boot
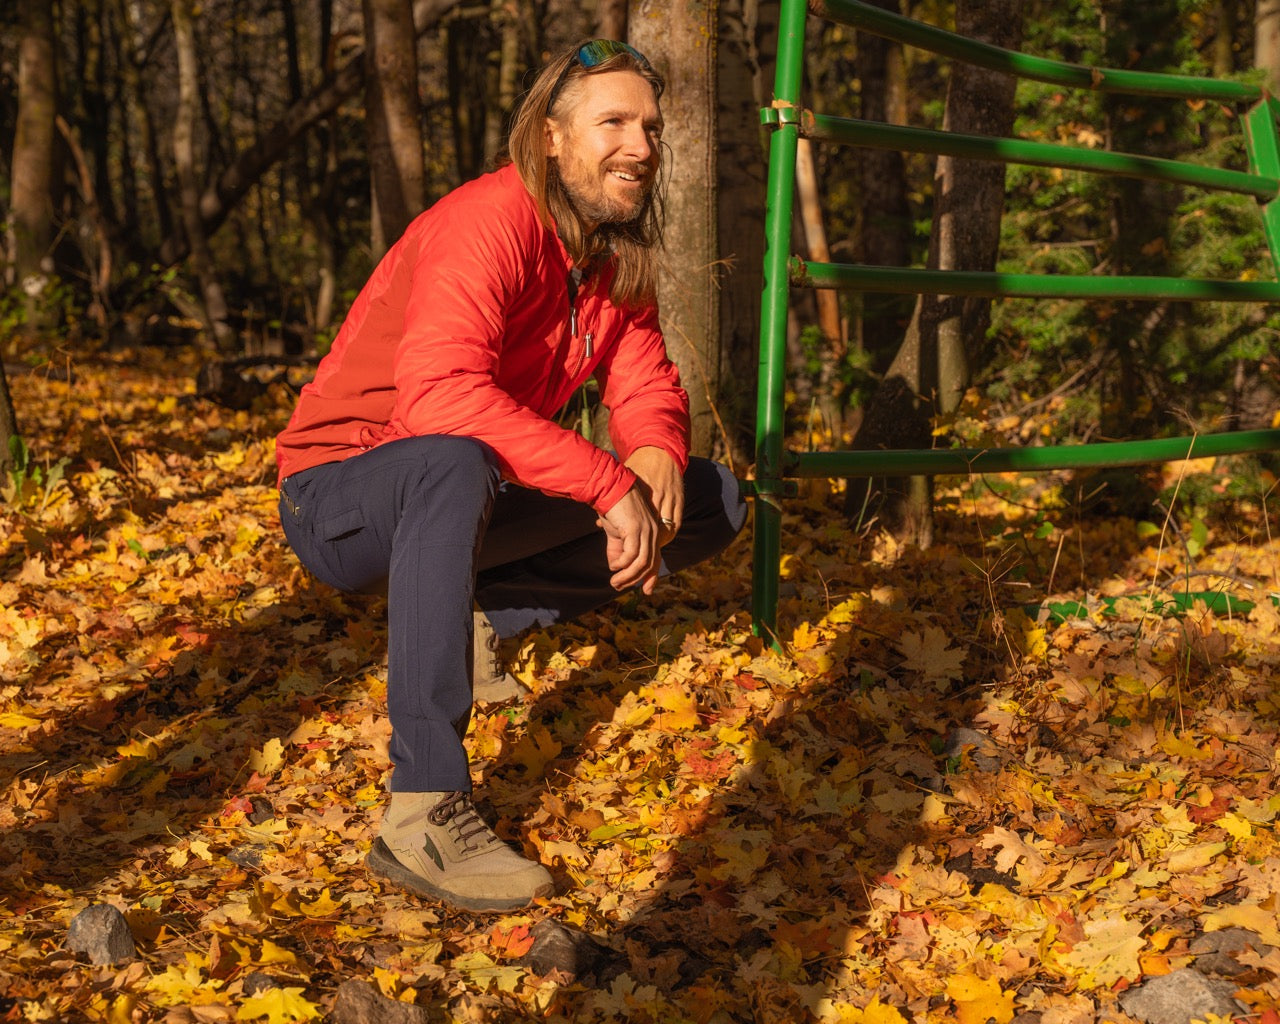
point(491, 683)
point(437, 845)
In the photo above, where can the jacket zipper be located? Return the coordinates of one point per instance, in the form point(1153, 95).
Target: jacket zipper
point(575, 279)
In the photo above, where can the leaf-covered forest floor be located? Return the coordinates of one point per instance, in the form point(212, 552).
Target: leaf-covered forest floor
point(931, 804)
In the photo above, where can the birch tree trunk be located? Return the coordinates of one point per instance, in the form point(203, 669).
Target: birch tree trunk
point(679, 37)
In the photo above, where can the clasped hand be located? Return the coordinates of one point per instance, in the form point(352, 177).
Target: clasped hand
point(645, 519)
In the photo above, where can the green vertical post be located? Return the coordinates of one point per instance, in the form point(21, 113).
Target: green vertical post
point(1264, 158)
point(770, 414)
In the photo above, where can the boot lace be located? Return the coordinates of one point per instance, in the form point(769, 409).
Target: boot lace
point(488, 658)
point(458, 814)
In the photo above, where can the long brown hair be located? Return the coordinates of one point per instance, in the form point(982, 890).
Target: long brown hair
point(634, 245)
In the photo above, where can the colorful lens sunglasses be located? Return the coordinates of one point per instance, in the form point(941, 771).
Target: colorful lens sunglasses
point(593, 54)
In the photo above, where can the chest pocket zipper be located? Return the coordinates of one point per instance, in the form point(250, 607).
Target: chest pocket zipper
point(574, 283)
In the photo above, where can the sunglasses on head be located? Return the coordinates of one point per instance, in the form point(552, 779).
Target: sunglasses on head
point(593, 54)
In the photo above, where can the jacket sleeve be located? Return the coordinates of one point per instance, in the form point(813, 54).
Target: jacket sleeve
point(467, 271)
point(641, 388)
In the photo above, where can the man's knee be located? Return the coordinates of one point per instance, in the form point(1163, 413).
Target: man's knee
point(714, 507)
point(459, 466)
point(462, 454)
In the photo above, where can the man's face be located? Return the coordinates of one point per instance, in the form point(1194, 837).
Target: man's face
point(605, 145)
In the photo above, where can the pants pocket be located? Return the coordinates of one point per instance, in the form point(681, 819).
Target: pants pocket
point(340, 524)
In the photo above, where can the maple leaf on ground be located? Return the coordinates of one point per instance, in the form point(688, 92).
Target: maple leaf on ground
point(483, 972)
point(930, 653)
point(278, 1006)
point(513, 942)
point(679, 707)
point(1108, 953)
point(834, 1012)
point(535, 749)
point(979, 1000)
point(710, 769)
point(1261, 920)
point(1014, 851)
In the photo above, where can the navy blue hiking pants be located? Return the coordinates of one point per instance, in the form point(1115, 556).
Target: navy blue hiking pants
point(426, 518)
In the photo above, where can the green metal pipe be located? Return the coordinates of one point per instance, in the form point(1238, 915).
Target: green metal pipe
point(1263, 145)
point(914, 281)
point(947, 44)
point(851, 131)
point(963, 461)
point(772, 379)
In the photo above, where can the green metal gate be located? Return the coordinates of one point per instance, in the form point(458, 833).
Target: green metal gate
point(789, 121)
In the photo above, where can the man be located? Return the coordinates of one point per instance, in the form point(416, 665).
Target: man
point(423, 456)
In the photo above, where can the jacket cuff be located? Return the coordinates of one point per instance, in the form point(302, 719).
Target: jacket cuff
point(626, 480)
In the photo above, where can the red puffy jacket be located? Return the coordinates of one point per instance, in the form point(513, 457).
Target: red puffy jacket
point(464, 328)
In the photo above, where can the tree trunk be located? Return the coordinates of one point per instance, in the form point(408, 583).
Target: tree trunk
point(611, 19)
point(506, 20)
point(32, 168)
point(884, 238)
point(8, 423)
point(748, 38)
point(947, 333)
point(133, 59)
point(1266, 46)
point(213, 304)
point(393, 120)
point(680, 37)
point(1224, 38)
point(828, 300)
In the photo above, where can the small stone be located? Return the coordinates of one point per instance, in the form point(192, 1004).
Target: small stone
point(557, 948)
point(985, 753)
point(255, 983)
point(1215, 951)
point(359, 1002)
point(102, 934)
point(1180, 998)
point(261, 810)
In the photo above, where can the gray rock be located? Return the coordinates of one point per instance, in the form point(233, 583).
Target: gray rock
point(1215, 951)
point(556, 947)
point(359, 1002)
point(986, 754)
point(102, 934)
point(255, 983)
point(1179, 998)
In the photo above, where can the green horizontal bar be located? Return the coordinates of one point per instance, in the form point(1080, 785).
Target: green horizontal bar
point(963, 461)
point(948, 44)
point(914, 281)
point(1021, 151)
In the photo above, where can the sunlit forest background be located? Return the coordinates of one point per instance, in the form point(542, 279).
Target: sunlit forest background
point(1011, 758)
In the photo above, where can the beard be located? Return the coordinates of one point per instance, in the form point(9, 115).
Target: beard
point(587, 195)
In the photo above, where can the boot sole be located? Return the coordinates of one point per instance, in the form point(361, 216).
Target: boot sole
point(381, 861)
